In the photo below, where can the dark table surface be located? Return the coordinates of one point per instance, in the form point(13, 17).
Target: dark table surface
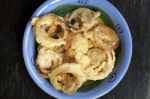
point(15, 82)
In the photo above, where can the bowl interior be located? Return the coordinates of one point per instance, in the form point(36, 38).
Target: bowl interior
point(111, 17)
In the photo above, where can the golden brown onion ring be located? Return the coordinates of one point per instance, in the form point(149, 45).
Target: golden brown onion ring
point(67, 77)
point(50, 30)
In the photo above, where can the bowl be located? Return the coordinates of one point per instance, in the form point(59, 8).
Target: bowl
point(124, 52)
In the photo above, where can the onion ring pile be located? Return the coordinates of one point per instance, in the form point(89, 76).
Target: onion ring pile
point(74, 48)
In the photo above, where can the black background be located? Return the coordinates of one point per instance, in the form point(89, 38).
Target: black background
point(15, 82)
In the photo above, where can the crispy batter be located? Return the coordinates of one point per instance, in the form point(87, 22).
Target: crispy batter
point(47, 60)
point(67, 77)
point(77, 45)
point(50, 30)
point(102, 64)
point(81, 19)
point(84, 60)
point(102, 36)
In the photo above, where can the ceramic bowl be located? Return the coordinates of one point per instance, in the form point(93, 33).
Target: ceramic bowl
point(99, 88)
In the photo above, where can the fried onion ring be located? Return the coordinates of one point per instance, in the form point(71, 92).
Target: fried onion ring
point(102, 64)
point(81, 19)
point(50, 30)
point(102, 36)
point(47, 60)
point(67, 77)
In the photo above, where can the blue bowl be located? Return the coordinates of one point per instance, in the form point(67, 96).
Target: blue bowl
point(123, 60)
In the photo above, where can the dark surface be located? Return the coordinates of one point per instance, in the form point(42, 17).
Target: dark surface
point(15, 82)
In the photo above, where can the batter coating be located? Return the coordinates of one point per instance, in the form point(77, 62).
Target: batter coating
point(47, 60)
point(102, 64)
point(102, 36)
point(67, 77)
point(50, 30)
point(81, 19)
